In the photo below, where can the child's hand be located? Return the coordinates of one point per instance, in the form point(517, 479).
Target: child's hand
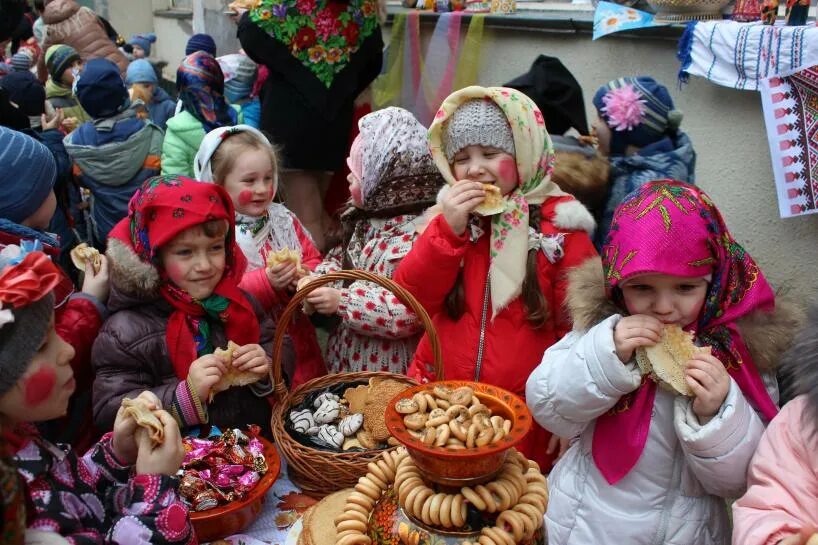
point(325, 300)
point(282, 275)
point(69, 124)
point(631, 332)
point(709, 380)
point(459, 201)
point(204, 373)
point(53, 123)
point(124, 443)
point(252, 358)
point(163, 459)
point(801, 538)
point(558, 444)
point(97, 284)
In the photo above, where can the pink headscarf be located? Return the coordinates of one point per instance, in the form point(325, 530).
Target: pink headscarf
point(669, 227)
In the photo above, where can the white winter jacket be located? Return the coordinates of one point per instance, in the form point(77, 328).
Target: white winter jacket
point(675, 493)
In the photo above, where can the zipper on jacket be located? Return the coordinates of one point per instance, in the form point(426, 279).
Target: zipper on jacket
point(481, 344)
point(673, 493)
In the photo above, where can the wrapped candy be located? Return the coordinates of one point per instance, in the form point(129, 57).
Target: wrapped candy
point(205, 500)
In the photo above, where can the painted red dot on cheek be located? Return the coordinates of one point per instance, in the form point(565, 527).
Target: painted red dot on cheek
point(245, 197)
point(38, 387)
point(508, 170)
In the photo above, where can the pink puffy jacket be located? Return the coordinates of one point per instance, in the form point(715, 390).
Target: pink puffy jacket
point(782, 491)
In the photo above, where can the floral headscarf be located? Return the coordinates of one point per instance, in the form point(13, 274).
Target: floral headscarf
point(161, 209)
point(669, 227)
point(535, 161)
point(321, 34)
point(200, 83)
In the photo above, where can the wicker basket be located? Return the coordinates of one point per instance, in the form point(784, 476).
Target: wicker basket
point(318, 472)
point(681, 11)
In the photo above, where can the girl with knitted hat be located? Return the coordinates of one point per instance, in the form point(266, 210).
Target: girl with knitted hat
point(242, 161)
point(648, 464)
point(124, 489)
point(495, 285)
point(637, 127)
point(200, 83)
point(175, 299)
point(392, 180)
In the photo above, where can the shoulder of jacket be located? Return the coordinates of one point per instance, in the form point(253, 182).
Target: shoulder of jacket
point(568, 213)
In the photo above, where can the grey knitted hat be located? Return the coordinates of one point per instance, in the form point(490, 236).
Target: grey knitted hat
point(20, 339)
point(477, 122)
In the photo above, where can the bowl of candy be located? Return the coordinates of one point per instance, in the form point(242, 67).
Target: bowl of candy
point(457, 432)
point(224, 478)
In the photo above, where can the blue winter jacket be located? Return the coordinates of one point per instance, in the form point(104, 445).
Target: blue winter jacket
point(161, 108)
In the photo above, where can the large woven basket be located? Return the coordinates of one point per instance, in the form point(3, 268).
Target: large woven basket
point(319, 472)
point(682, 11)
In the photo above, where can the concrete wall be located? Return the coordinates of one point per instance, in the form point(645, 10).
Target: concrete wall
point(726, 126)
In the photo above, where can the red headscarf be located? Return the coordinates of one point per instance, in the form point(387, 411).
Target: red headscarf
point(161, 209)
point(669, 227)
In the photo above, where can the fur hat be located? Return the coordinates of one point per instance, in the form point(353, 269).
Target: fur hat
point(638, 110)
point(27, 305)
point(144, 41)
point(200, 42)
point(100, 89)
point(477, 122)
point(58, 58)
point(27, 176)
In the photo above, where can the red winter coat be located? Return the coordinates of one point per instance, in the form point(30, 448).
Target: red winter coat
point(512, 347)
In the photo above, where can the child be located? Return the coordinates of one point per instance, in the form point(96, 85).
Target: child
point(64, 64)
point(242, 161)
point(240, 74)
point(90, 498)
point(638, 129)
point(175, 298)
point(392, 179)
point(200, 83)
point(142, 79)
point(495, 285)
point(646, 465)
point(141, 45)
point(27, 204)
point(200, 42)
point(781, 500)
point(114, 153)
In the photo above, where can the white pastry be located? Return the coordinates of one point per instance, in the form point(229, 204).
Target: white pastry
point(325, 397)
point(331, 435)
point(351, 424)
point(327, 412)
point(302, 420)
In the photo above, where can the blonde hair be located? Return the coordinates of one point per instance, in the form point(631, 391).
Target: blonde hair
point(224, 158)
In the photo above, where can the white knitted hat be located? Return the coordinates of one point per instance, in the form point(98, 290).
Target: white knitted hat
point(477, 122)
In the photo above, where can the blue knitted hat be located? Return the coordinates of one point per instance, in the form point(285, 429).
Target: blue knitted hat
point(100, 89)
point(657, 117)
point(27, 174)
point(144, 41)
point(200, 42)
point(20, 62)
point(141, 71)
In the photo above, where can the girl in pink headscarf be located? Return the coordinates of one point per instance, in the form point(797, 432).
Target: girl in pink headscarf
point(647, 465)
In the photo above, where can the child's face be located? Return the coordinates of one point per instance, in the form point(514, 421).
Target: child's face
point(603, 135)
point(137, 52)
point(669, 299)
point(41, 218)
point(355, 190)
point(194, 261)
point(486, 165)
point(144, 91)
point(71, 73)
point(42, 393)
point(250, 182)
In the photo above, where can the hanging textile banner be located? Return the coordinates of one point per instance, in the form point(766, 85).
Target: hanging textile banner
point(741, 55)
point(791, 114)
point(420, 83)
point(610, 17)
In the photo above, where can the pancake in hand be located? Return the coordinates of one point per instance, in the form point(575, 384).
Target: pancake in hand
point(233, 376)
point(145, 418)
point(83, 254)
point(665, 361)
point(494, 203)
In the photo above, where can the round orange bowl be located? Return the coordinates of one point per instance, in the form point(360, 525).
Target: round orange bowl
point(234, 517)
point(470, 466)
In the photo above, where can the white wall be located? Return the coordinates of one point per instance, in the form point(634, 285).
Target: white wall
point(726, 127)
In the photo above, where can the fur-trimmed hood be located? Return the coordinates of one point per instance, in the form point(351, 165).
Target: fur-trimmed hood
point(767, 336)
point(800, 364)
point(130, 276)
point(581, 171)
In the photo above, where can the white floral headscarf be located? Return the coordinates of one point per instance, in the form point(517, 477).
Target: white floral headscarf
point(535, 161)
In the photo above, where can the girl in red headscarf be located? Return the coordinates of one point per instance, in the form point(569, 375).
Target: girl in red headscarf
point(647, 464)
point(175, 269)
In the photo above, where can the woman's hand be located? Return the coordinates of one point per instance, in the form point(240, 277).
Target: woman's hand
point(707, 377)
point(458, 203)
point(123, 442)
point(164, 459)
point(325, 300)
point(632, 332)
point(252, 358)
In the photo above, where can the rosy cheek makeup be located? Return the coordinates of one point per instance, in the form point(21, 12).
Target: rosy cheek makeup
point(245, 197)
point(508, 170)
point(38, 387)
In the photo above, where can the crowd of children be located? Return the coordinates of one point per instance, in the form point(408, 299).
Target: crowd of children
point(181, 194)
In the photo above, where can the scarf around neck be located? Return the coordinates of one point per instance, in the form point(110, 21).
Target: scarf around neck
point(535, 161)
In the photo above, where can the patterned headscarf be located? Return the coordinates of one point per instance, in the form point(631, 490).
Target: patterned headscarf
point(161, 209)
point(535, 161)
point(669, 227)
point(200, 83)
point(390, 156)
